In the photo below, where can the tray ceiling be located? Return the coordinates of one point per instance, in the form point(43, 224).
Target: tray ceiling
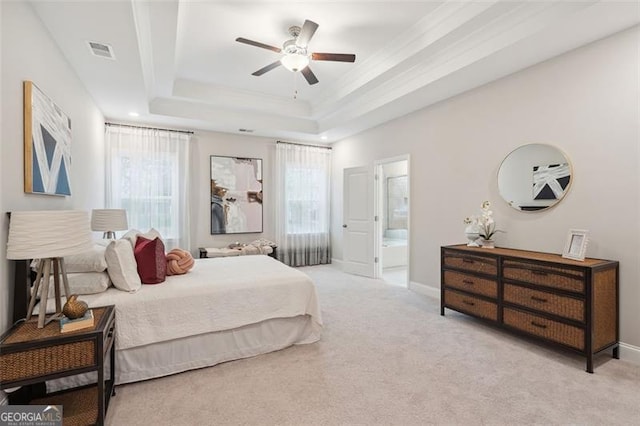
point(177, 63)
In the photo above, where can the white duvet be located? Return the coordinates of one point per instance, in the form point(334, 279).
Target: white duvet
point(217, 294)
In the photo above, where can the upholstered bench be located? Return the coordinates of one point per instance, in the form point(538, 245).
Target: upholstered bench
point(206, 252)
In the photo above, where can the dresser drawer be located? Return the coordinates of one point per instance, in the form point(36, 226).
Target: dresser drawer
point(471, 283)
point(539, 326)
point(563, 306)
point(471, 305)
point(483, 265)
point(554, 277)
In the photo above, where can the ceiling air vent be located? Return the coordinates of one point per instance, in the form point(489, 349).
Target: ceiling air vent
point(102, 50)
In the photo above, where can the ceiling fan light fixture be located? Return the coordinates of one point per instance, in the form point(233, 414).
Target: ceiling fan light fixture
point(295, 61)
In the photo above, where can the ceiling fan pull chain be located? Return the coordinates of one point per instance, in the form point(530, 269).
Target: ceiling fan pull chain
point(295, 86)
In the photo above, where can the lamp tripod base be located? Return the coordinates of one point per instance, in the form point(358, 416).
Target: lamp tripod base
point(43, 278)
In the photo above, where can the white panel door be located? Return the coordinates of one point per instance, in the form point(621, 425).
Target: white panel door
point(358, 221)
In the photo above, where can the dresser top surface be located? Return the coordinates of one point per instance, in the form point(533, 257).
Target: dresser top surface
point(530, 255)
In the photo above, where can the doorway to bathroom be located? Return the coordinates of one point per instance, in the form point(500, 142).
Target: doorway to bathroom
point(392, 220)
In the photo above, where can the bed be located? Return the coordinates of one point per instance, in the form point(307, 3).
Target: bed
point(223, 309)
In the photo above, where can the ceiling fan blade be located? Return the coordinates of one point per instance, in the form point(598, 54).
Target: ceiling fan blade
point(338, 57)
point(269, 67)
point(308, 30)
point(258, 44)
point(309, 75)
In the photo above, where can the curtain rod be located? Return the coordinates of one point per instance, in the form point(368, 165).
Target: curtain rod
point(150, 128)
point(304, 144)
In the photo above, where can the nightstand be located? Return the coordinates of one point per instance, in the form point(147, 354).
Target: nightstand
point(30, 355)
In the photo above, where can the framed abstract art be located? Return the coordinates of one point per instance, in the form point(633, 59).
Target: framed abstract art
point(236, 195)
point(47, 144)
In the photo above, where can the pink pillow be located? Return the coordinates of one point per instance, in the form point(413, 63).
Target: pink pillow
point(152, 265)
point(179, 262)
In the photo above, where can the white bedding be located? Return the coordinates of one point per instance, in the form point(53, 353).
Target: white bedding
point(217, 294)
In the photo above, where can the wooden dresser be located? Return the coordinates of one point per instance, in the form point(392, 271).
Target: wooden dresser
point(568, 303)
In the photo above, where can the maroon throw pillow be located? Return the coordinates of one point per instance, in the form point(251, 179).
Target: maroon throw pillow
point(152, 265)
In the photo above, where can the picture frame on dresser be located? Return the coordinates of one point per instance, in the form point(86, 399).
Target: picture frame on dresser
point(575, 247)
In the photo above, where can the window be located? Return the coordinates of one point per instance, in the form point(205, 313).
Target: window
point(147, 176)
point(306, 190)
point(303, 204)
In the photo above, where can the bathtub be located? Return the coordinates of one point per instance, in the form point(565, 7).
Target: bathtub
point(394, 252)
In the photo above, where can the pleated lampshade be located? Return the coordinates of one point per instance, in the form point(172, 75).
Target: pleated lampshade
point(106, 220)
point(48, 234)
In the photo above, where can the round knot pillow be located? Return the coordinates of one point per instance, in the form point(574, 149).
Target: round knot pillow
point(179, 262)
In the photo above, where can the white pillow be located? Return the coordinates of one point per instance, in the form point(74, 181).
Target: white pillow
point(122, 267)
point(90, 261)
point(132, 236)
point(81, 283)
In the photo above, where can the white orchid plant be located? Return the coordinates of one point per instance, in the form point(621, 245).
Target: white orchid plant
point(485, 224)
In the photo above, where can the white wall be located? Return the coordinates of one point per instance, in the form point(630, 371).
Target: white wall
point(584, 102)
point(28, 53)
point(203, 145)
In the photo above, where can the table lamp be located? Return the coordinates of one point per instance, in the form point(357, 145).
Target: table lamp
point(109, 221)
point(48, 236)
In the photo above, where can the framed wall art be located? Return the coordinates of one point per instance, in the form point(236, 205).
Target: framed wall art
point(47, 144)
point(236, 195)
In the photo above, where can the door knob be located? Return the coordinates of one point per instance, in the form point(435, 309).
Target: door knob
point(344, 226)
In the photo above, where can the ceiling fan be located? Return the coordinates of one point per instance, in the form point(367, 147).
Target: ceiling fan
point(295, 56)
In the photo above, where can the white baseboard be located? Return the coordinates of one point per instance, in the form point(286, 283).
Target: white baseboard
point(630, 353)
point(427, 290)
point(338, 263)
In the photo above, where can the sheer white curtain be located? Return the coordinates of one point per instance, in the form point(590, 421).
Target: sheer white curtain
point(147, 174)
point(303, 176)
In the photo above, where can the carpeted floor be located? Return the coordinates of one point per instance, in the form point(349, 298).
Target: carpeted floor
point(387, 357)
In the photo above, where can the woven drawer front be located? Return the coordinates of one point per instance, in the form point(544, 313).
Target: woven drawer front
point(552, 330)
point(483, 265)
point(567, 307)
point(47, 360)
point(565, 279)
point(471, 305)
point(471, 283)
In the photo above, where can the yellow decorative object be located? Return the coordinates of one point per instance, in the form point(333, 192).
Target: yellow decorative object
point(74, 308)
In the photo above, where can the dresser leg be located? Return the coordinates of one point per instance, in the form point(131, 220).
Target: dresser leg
point(616, 351)
point(590, 363)
point(442, 310)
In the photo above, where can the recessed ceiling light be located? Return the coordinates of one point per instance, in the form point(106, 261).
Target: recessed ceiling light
point(323, 137)
point(134, 114)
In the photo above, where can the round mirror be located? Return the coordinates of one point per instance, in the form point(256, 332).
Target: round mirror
point(534, 177)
